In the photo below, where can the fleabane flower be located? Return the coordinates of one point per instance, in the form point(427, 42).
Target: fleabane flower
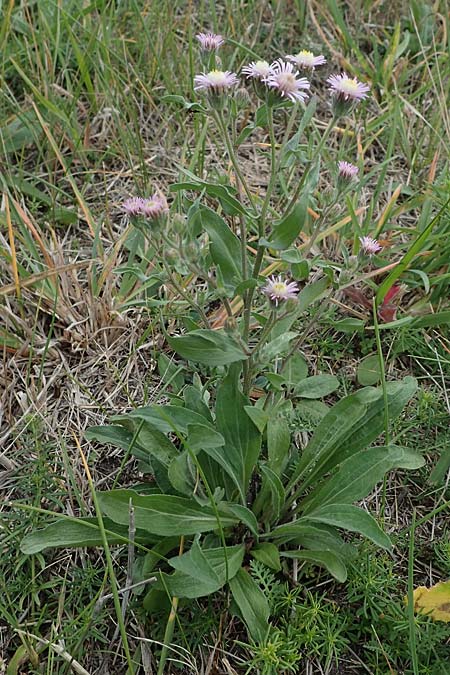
point(347, 92)
point(133, 206)
point(347, 170)
point(257, 70)
point(278, 290)
point(216, 81)
point(210, 42)
point(151, 208)
point(285, 81)
point(369, 246)
point(154, 207)
point(305, 60)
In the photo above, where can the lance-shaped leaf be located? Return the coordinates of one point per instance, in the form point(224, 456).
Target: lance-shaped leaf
point(225, 247)
point(252, 604)
point(287, 230)
point(359, 474)
point(353, 519)
point(165, 515)
point(201, 572)
point(332, 562)
point(212, 348)
point(242, 438)
point(67, 533)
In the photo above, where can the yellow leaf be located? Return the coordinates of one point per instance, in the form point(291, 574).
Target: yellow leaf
point(434, 601)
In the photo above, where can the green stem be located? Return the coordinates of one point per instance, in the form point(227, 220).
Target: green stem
point(185, 296)
point(251, 360)
point(109, 562)
point(218, 117)
point(385, 396)
point(261, 228)
point(170, 625)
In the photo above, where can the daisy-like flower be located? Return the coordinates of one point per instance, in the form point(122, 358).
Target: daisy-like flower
point(154, 207)
point(306, 60)
point(346, 87)
point(369, 246)
point(347, 92)
point(133, 206)
point(347, 171)
point(278, 290)
point(210, 42)
point(257, 70)
point(284, 79)
point(216, 81)
point(151, 207)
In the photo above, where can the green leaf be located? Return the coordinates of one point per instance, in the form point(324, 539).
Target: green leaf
point(242, 438)
point(268, 554)
point(64, 533)
point(194, 400)
point(155, 444)
point(358, 475)
point(221, 192)
point(271, 497)
point(369, 427)
point(278, 444)
point(165, 418)
point(311, 293)
point(287, 230)
point(212, 348)
point(245, 515)
point(351, 425)
point(112, 434)
point(182, 475)
point(202, 571)
point(258, 417)
point(412, 251)
point(277, 347)
point(314, 536)
point(316, 386)
point(349, 325)
point(181, 101)
point(170, 372)
point(332, 562)
point(331, 431)
point(225, 247)
point(353, 519)
point(165, 515)
point(368, 371)
point(252, 604)
point(295, 370)
point(202, 437)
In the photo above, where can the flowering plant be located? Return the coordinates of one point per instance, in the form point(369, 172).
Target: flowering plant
point(231, 479)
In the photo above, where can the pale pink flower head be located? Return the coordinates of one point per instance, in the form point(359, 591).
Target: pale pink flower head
point(305, 60)
point(210, 42)
point(257, 70)
point(346, 92)
point(151, 208)
point(216, 81)
point(347, 171)
point(133, 206)
point(347, 88)
point(369, 246)
point(154, 207)
point(285, 81)
point(278, 290)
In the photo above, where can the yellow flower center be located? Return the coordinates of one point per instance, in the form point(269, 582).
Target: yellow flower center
point(349, 85)
point(287, 80)
point(279, 287)
point(306, 56)
point(217, 77)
